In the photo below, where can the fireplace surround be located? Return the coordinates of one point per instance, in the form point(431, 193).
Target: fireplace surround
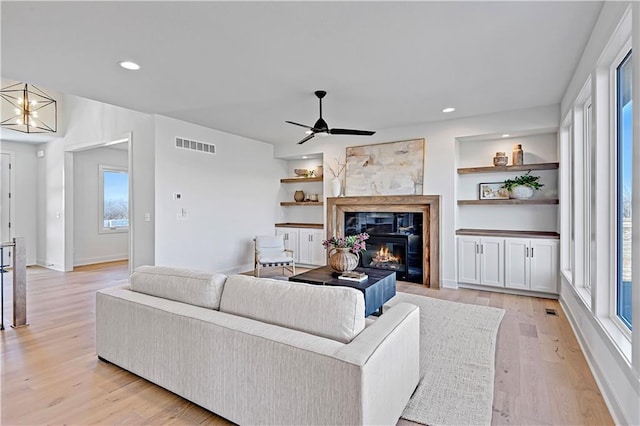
point(428, 205)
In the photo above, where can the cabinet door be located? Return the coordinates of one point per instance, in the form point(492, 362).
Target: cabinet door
point(516, 263)
point(492, 261)
point(311, 249)
point(290, 240)
point(544, 265)
point(468, 260)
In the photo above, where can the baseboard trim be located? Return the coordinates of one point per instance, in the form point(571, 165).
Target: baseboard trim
point(508, 291)
point(100, 259)
point(450, 284)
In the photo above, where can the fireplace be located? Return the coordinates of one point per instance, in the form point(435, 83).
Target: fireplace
point(428, 254)
point(395, 241)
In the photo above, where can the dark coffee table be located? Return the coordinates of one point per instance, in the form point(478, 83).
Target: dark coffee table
point(377, 289)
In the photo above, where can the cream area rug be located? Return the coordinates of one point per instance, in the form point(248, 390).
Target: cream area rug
point(457, 362)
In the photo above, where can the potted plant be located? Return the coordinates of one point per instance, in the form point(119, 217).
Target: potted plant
point(522, 187)
point(344, 251)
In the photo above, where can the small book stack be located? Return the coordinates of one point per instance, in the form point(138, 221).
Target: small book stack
point(353, 276)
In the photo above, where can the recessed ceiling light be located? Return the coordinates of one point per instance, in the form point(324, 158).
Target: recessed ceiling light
point(506, 135)
point(448, 109)
point(304, 157)
point(128, 65)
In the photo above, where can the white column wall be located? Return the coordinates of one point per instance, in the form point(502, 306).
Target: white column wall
point(91, 123)
point(24, 198)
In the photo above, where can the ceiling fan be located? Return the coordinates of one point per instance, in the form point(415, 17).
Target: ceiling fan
point(321, 126)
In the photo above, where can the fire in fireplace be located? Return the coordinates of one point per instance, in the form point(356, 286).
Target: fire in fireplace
point(395, 242)
point(385, 259)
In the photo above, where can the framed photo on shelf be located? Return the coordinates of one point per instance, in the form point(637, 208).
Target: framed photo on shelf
point(492, 191)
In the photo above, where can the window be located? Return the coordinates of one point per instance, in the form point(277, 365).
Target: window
point(589, 197)
point(114, 199)
point(624, 189)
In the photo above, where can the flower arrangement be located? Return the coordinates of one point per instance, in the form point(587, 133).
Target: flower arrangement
point(355, 243)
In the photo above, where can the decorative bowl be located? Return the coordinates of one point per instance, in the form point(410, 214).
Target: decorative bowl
point(300, 172)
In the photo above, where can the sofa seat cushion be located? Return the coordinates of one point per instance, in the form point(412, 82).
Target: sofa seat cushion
point(182, 285)
point(333, 312)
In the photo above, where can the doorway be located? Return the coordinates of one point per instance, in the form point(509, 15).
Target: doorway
point(93, 176)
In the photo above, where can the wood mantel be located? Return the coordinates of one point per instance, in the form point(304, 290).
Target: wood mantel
point(428, 205)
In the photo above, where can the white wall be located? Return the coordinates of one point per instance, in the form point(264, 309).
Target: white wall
point(616, 377)
point(440, 175)
point(24, 198)
point(91, 246)
point(90, 123)
point(229, 198)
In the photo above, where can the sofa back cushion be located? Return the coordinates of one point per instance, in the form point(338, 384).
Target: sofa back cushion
point(333, 312)
point(182, 285)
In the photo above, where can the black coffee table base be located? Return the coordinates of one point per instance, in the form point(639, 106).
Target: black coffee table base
point(377, 289)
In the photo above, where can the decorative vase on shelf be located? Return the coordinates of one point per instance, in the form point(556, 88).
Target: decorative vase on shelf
point(518, 155)
point(342, 259)
point(336, 187)
point(521, 192)
point(298, 196)
point(500, 159)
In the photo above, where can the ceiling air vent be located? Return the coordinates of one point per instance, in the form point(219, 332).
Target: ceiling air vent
point(195, 145)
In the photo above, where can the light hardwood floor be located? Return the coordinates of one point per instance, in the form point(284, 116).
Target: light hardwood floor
point(50, 372)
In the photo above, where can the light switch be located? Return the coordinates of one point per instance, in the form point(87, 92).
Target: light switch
point(147, 217)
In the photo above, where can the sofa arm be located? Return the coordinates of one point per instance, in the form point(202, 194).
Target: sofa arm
point(388, 352)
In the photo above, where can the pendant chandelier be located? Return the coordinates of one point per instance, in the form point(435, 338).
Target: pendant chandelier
point(27, 109)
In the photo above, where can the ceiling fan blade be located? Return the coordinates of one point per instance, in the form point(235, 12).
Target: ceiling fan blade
point(351, 132)
point(298, 124)
point(306, 138)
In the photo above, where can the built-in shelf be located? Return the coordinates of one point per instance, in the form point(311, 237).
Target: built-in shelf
point(301, 203)
point(301, 179)
point(543, 201)
point(299, 225)
point(507, 233)
point(500, 169)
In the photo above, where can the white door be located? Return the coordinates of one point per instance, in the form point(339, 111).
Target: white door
point(544, 265)
point(492, 261)
point(5, 206)
point(516, 263)
point(468, 260)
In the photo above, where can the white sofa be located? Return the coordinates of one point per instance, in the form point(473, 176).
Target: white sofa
point(261, 351)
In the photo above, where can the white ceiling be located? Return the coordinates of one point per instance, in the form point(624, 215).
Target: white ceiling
point(246, 67)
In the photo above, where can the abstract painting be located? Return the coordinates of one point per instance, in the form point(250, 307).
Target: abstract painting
point(393, 168)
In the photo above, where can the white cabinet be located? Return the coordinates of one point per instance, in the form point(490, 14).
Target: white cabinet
point(310, 247)
point(531, 264)
point(306, 244)
point(290, 240)
point(480, 261)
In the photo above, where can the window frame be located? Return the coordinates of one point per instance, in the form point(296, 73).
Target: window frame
point(102, 168)
point(613, 159)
